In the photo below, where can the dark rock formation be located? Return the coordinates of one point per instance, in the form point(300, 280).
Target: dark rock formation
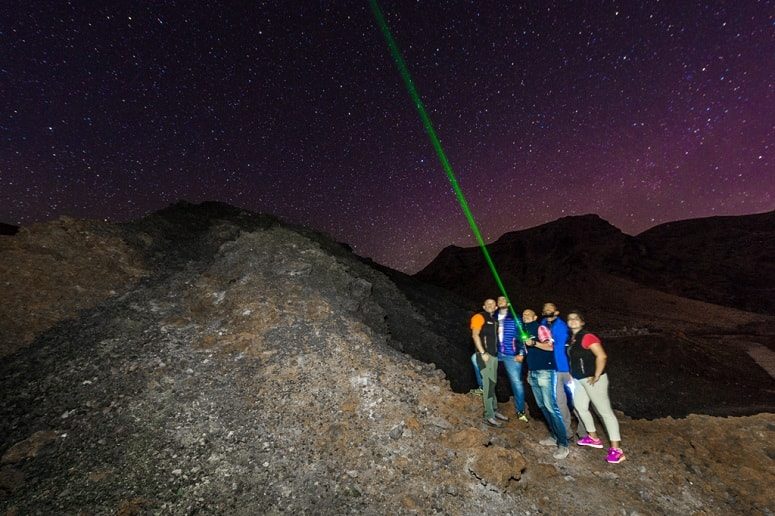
point(728, 261)
point(252, 366)
point(48, 272)
point(8, 229)
point(240, 365)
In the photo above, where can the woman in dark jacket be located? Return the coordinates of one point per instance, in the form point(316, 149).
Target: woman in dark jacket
point(587, 360)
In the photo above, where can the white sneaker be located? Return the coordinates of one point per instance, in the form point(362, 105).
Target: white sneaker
point(561, 453)
point(548, 441)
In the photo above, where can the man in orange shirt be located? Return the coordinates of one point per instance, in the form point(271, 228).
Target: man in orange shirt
point(484, 332)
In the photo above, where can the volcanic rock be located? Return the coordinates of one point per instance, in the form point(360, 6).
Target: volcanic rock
point(256, 367)
point(727, 261)
point(49, 272)
point(28, 448)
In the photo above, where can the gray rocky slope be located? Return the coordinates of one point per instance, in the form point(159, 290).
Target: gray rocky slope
point(257, 368)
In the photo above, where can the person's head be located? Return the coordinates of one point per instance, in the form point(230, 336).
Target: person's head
point(575, 320)
point(529, 316)
point(490, 306)
point(503, 304)
point(550, 311)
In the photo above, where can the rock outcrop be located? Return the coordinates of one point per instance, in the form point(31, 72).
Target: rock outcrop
point(253, 367)
point(728, 261)
point(49, 272)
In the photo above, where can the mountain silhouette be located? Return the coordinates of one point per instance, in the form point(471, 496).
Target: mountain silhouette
point(583, 261)
point(723, 260)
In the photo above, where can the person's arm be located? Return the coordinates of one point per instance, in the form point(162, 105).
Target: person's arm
point(521, 349)
point(560, 334)
point(600, 359)
point(546, 346)
point(478, 344)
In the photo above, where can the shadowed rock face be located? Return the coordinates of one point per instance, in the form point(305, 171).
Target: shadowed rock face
point(252, 365)
point(8, 229)
point(49, 272)
point(728, 261)
point(255, 367)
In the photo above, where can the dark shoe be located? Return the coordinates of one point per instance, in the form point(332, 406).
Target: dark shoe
point(501, 416)
point(493, 422)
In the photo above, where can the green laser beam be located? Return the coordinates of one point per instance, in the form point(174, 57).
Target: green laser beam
point(426, 121)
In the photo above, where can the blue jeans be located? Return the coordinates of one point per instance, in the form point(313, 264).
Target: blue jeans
point(476, 370)
point(544, 385)
point(514, 372)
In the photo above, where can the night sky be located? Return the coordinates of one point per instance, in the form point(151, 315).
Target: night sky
point(642, 114)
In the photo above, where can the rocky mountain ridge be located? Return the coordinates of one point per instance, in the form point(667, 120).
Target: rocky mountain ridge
point(723, 260)
point(234, 364)
point(728, 261)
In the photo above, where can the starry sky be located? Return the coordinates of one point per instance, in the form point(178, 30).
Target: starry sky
point(640, 112)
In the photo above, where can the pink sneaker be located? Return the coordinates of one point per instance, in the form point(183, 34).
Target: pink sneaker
point(590, 441)
point(615, 456)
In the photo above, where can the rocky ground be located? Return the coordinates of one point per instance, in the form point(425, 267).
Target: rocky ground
point(48, 272)
point(255, 368)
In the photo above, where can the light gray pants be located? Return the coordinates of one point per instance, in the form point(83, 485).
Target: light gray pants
point(563, 393)
point(598, 395)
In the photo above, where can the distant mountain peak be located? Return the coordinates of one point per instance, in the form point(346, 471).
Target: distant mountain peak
point(587, 226)
point(697, 258)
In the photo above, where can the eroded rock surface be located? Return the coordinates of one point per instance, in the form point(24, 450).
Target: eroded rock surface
point(257, 369)
point(49, 272)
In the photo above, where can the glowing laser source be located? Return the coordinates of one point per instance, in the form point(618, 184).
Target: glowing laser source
point(426, 121)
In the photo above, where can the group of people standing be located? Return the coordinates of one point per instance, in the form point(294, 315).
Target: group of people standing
point(565, 370)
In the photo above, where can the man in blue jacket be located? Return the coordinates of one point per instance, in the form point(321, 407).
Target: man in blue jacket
point(559, 329)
